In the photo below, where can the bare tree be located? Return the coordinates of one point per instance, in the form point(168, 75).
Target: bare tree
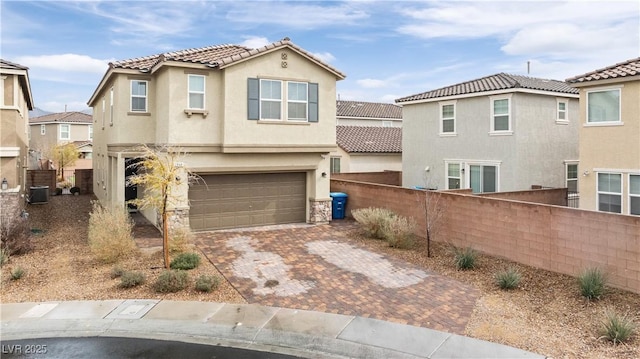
point(434, 208)
point(160, 171)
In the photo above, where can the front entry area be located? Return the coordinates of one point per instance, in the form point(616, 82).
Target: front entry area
point(245, 200)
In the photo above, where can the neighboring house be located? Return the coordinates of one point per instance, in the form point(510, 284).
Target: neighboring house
point(15, 102)
point(367, 149)
point(258, 126)
point(497, 133)
point(360, 113)
point(54, 129)
point(610, 138)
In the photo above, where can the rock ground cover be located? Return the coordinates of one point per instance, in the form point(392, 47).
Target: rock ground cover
point(546, 314)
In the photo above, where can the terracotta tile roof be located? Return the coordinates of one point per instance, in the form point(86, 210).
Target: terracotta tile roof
point(71, 117)
point(10, 65)
point(495, 82)
point(620, 70)
point(363, 109)
point(214, 56)
point(80, 144)
point(365, 139)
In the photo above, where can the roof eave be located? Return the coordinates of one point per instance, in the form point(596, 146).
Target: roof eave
point(609, 81)
point(491, 93)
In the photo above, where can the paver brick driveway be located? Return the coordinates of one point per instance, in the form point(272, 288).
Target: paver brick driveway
point(318, 268)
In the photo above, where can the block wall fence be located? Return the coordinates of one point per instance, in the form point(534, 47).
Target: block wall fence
point(559, 239)
point(393, 178)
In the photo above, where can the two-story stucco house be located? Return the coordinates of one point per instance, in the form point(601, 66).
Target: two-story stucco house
point(497, 133)
point(59, 128)
point(610, 138)
point(361, 113)
point(15, 102)
point(258, 126)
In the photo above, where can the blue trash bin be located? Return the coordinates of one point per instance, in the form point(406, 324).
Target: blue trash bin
point(338, 204)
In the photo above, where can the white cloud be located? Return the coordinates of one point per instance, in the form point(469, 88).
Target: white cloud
point(61, 106)
point(64, 62)
point(324, 56)
point(372, 83)
point(296, 14)
point(255, 42)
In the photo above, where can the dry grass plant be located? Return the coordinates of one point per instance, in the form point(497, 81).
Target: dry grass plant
point(399, 232)
point(110, 237)
point(372, 220)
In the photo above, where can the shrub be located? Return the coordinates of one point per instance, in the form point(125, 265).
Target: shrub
point(15, 234)
point(17, 273)
point(117, 272)
point(75, 190)
point(207, 283)
point(616, 327)
point(110, 237)
point(592, 283)
point(185, 261)
point(131, 279)
point(171, 281)
point(465, 258)
point(372, 220)
point(180, 240)
point(508, 278)
point(398, 231)
point(4, 257)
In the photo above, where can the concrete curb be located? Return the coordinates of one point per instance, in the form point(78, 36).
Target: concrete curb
point(300, 333)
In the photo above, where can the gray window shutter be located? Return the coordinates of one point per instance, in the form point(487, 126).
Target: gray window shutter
point(253, 87)
point(313, 102)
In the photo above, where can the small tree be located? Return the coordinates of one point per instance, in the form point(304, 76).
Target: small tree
point(434, 210)
point(159, 172)
point(64, 155)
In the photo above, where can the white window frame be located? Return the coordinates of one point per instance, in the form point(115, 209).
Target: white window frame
point(564, 112)
point(618, 121)
point(104, 108)
point(305, 102)
point(284, 101)
point(90, 129)
point(68, 132)
point(145, 96)
point(633, 195)
point(467, 172)
point(196, 92)
point(442, 118)
point(264, 99)
point(598, 192)
point(332, 161)
point(110, 108)
point(43, 129)
point(447, 176)
point(566, 173)
point(492, 124)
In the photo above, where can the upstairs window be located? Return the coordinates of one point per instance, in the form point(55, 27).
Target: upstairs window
point(500, 115)
point(562, 111)
point(282, 100)
point(196, 92)
point(447, 118)
point(139, 95)
point(603, 106)
point(65, 132)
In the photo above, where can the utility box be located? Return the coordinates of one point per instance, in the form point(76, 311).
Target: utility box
point(39, 194)
point(338, 204)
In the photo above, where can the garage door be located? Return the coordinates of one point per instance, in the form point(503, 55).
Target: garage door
point(243, 200)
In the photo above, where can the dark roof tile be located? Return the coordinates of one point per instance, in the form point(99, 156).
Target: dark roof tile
point(72, 117)
point(620, 70)
point(363, 109)
point(369, 139)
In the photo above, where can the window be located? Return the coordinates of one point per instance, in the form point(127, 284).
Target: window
point(483, 178)
point(65, 132)
point(297, 101)
point(610, 192)
point(110, 110)
point(266, 100)
point(196, 92)
point(562, 111)
point(335, 164)
point(43, 129)
point(387, 124)
point(603, 106)
point(572, 177)
point(501, 114)
point(90, 132)
point(447, 118)
point(104, 108)
point(453, 175)
point(634, 194)
point(139, 96)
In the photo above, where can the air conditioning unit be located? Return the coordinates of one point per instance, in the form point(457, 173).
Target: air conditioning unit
point(39, 195)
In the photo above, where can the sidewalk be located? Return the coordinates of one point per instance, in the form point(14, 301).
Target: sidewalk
point(300, 333)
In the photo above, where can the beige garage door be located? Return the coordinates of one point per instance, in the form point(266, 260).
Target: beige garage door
point(244, 200)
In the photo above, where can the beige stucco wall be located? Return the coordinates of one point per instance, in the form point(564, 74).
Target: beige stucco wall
point(367, 162)
point(14, 113)
point(613, 148)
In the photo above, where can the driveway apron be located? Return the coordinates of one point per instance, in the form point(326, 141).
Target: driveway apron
point(317, 268)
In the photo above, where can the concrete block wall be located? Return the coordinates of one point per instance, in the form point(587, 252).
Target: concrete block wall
point(393, 178)
point(41, 178)
point(554, 238)
point(84, 180)
point(554, 196)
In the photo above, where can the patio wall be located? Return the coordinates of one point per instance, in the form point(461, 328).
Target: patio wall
point(554, 238)
point(393, 178)
point(554, 196)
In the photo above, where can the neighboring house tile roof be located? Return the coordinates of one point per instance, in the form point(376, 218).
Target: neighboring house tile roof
point(620, 70)
point(81, 144)
point(214, 56)
point(361, 109)
point(66, 117)
point(369, 139)
point(10, 65)
point(495, 82)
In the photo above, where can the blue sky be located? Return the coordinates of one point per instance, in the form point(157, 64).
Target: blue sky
point(387, 49)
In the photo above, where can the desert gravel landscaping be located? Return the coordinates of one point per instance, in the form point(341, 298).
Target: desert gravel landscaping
point(546, 314)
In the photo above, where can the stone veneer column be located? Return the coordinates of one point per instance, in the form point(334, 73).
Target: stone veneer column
point(319, 211)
